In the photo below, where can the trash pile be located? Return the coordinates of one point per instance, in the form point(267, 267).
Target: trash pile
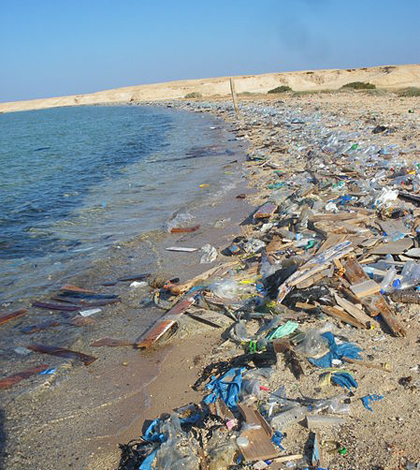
point(332, 249)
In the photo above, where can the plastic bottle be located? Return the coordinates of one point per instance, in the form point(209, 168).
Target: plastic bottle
point(410, 275)
point(286, 418)
point(387, 281)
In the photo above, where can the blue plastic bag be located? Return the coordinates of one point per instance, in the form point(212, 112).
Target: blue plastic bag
point(349, 350)
point(227, 388)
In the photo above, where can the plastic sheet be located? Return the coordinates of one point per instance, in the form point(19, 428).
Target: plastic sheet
point(210, 254)
point(336, 352)
point(226, 387)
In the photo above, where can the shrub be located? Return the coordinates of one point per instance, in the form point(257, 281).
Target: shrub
point(280, 89)
point(194, 94)
point(410, 91)
point(359, 86)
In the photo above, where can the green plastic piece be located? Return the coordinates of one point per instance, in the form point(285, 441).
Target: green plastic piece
point(283, 330)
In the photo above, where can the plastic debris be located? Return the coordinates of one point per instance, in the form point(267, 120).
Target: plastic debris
point(368, 399)
point(343, 379)
point(210, 254)
point(226, 387)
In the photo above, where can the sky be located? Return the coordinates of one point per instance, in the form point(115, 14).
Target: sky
point(64, 47)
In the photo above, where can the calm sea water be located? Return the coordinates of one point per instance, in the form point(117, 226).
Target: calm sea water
point(75, 181)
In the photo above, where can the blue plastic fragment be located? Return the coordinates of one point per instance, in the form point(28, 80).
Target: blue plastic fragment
point(344, 379)
point(349, 350)
point(147, 462)
point(152, 432)
point(227, 388)
point(277, 438)
point(48, 371)
point(368, 399)
point(343, 200)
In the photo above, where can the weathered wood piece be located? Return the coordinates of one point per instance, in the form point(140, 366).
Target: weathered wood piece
point(341, 315)
point(393, 248)
point(184, 229)
point(216, 270)
point(72, 288)
point(316, 264)
point(266, 210)
point(375, 304)
point(353, 310)
point(7, 382)
point(12, 315)
point(260, 446)
point(63, 308)
point(365, 288)
point(62, 352)
point(165, 323)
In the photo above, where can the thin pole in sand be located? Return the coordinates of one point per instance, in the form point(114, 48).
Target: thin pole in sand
point(232, 89)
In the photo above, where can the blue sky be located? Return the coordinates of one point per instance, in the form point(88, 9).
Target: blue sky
point(60, 47)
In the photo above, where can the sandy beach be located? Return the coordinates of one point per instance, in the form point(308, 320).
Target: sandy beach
point(389, 77)
point(78, 418)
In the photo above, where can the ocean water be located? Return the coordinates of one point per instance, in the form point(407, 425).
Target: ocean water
point(77, 181)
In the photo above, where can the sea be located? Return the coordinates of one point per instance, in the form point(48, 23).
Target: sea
point(75, 182)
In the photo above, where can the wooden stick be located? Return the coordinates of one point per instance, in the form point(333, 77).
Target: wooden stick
point(233, 91)
point(286, 458)
point(366, 364)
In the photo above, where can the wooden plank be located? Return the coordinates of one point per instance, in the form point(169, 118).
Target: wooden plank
point(7, 382)
point(393, 248)
point(12, 315)
point(354, 272)
point(353, 310)
point(376, 304)
point(177, 289)
point(393, 226)
point(335, 217)
point(62, 352)
point(165, 323)
point(184, 229)
point(266, 210)
point(341, 315)
point(72, 288)
point(276, 244)
point(365, 288)
point(63, 308)
point(260, 446)
point(315, 264)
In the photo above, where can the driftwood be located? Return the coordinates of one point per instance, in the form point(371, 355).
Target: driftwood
point(62, 352)
point(16, 378)
point(13, 315)
point(165, 323)
point(375, 304)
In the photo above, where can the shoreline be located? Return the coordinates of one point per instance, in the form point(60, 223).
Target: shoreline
point(172, 387)
point(109, 406)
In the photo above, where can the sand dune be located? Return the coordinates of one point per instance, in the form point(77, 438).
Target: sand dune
point(385, 77)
